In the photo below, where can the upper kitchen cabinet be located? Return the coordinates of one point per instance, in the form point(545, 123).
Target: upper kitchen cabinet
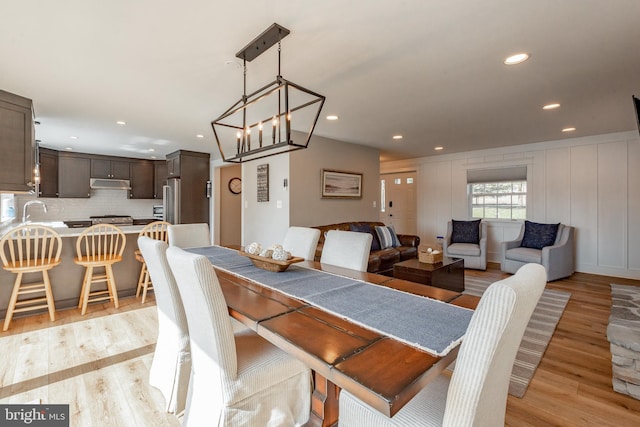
point(48, 166)
point(141, 179)
point(17, 143)
point(160, 172)
point(109, 168)
point(74, 173)
point(173, 165)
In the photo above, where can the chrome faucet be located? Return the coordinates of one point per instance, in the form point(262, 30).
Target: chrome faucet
point(29, 203)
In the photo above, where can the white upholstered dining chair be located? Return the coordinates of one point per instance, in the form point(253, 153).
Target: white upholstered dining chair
point(347, 249)
point(476, 394)
point(301, 242)
point(189, 235)
point(241, 379)
point(171, 366)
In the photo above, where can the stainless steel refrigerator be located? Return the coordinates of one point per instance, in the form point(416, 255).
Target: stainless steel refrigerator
point(171, 201)
point(185, 204)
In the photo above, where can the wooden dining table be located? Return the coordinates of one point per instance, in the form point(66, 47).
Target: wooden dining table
point(382, 371)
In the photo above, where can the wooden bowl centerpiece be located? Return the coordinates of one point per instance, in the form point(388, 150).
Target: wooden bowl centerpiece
point(270, 264)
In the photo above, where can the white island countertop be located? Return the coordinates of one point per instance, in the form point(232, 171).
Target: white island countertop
point(65, 231)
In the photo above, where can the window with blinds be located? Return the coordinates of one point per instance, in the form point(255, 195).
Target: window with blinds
point(498, 193)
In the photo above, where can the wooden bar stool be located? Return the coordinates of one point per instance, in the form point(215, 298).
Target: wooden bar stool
point(99, 246)
point(157, 231)
point(30, 249)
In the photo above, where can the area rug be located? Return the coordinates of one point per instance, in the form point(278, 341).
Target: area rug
point(536, 337)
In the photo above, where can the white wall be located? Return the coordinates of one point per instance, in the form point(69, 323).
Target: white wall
point(265, 222)
point(591, 183)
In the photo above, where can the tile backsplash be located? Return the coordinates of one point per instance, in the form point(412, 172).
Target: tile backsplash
point(101, 202)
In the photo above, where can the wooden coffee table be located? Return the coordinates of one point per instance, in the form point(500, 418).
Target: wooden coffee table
point(448, 274)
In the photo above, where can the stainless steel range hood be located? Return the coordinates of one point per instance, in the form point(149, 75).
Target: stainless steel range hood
point(110, 184)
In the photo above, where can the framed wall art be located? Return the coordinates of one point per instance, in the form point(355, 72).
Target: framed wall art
point(341, 184)
point(263, 183)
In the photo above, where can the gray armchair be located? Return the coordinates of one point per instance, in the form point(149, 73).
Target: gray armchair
point(474, 254)
point(557, 259)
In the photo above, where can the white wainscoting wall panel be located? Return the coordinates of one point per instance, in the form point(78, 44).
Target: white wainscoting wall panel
point(591, 183)
point(612, 204)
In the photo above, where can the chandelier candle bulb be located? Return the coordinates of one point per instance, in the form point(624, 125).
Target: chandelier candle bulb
point(238, 135)
point(273, 130)
point(260, 134)
point(248, 139)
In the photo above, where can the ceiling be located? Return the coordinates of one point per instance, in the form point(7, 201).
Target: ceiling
point(429, 70)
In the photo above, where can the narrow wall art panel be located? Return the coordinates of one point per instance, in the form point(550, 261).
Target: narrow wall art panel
point(263, 183)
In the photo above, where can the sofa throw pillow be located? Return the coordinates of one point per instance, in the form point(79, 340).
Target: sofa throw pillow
point(387, 237)
point(537, 236)
point(465, 231)
point(366, 228)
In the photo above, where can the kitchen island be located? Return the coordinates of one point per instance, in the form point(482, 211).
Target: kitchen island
point(66, 279)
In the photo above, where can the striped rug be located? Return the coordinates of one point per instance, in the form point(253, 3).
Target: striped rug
point(539, 331)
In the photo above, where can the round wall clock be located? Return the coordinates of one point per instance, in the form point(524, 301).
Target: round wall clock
point(235, 185)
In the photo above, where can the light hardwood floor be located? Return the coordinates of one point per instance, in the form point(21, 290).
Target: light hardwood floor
point(99, 364)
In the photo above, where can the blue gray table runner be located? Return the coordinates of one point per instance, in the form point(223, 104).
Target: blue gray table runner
point(427, 324)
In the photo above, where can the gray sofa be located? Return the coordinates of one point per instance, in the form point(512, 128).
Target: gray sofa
point(557, 259)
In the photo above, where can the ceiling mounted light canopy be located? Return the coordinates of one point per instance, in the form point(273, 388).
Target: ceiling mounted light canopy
point(259, 124)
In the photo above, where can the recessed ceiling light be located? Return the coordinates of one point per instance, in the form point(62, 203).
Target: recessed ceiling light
point(332, 117)
point(438, 148)
point(152, 149)
point(397, 136)
point(68, 148)
point(153, 157)
point(518, 58)
point(568, 129)
point(199, 136)
point(73, 137)
point(551, 106)
point(121, 122)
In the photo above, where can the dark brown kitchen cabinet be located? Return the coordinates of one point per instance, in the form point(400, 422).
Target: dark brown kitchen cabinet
point(48, 166)
point(159, 178)
point(173, 165)
point(74, 173)
point(17, 139)
point(108, 168)
point(141, 172)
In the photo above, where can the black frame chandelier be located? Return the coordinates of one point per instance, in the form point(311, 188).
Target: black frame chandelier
point(259, 124)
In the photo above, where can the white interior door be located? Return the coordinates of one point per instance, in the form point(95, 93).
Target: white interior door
point(399, 201)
